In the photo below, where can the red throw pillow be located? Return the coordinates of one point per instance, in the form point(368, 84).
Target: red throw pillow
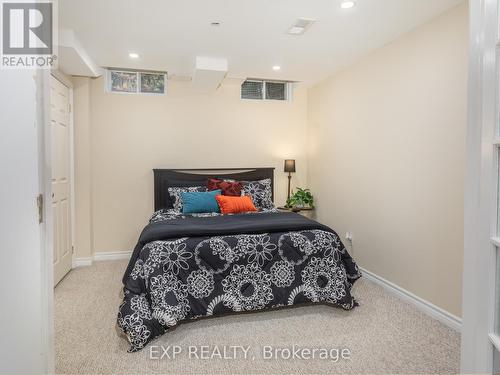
point(235, 205)
point(228, 188)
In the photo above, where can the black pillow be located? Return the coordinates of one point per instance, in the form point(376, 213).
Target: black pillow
point(169, 200)
point(175, 194)
point(260, 192)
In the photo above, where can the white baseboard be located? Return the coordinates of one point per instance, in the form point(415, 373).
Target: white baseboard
point(82, 262)
point(448, 319)
point(112, 255)
point(100, 256)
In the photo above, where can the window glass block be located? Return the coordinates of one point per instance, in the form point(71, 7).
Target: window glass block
point(123, 81)
point(276, 90)
point(251, 90)
point(153, 83)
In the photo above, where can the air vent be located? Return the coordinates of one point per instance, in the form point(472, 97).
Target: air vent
point(300, 26)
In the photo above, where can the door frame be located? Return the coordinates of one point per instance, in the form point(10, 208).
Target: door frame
point(61, 77)
point(42, 79)
point(481, 191)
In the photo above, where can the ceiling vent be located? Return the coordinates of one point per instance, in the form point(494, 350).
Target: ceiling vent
point(300, 26)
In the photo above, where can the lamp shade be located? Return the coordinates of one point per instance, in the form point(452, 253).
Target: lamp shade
point(290, 165)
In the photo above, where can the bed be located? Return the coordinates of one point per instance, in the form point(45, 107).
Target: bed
point(188, 267)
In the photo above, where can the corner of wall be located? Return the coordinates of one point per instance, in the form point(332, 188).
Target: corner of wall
point(83, 188)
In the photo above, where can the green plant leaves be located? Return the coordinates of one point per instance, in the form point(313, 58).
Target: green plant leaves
point(301, 198)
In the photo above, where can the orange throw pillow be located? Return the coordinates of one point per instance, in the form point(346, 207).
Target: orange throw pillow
point(235, 205)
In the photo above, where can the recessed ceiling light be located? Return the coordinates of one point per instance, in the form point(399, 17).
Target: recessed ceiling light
point(347, 4)
point(276, 67)
point(133, 55)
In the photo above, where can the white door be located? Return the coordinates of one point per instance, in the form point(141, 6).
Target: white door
point(60, 201)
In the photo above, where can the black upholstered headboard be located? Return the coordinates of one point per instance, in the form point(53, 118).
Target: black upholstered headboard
point(165, 178)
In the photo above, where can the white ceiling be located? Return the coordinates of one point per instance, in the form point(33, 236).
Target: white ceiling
point(169, 34)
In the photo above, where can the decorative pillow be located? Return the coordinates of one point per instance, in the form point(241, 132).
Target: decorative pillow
point(169, 202)
point(260, 192)
point(235, 205)
point(175, 194)
point(199, 202)
point(231, 188)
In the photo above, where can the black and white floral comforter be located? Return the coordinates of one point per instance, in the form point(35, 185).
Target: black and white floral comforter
point(190, 267)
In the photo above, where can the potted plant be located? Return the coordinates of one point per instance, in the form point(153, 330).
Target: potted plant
point(302, 198)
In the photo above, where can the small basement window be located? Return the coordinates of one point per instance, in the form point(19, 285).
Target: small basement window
point(135, 82)
point(265, 90)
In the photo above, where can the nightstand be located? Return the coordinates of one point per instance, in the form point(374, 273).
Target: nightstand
point(306, 211)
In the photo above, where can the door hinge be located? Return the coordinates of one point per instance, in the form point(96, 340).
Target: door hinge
point(39, 203)
point(72, 249)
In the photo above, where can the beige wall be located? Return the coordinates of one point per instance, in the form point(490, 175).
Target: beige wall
point(387, 155)
point(83, 200)
point(129, 135)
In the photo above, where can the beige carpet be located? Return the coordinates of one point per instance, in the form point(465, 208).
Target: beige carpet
point(384, 335)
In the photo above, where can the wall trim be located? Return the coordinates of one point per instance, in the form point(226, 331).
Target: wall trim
point(100, 256)
point(445, 317)
point(82, 262)
point(112, 255)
